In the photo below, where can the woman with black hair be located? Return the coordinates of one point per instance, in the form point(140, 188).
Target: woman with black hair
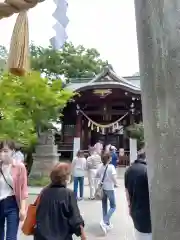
point(13, 191)
point(107, 172)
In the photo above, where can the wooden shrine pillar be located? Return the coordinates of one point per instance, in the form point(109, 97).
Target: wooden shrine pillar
point(132, 120)
point(86, 142)
point(78, 126)
point(132, 142)
point(77, 137)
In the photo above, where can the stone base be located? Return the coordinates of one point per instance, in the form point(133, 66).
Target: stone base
point(42, 166)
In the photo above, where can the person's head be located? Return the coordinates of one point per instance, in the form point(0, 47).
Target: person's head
point(112, 148)
point(121, 152)
point(141, 151)
point(106, 158)
point(80, 154)
point(60, 173)
point(7, 149)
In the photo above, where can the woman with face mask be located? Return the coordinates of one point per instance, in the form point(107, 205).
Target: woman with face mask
point(13, 192)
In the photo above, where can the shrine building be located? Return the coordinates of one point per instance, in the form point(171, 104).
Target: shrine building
point(102, 108)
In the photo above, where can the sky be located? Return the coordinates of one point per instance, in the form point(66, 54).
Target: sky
point(107, 25)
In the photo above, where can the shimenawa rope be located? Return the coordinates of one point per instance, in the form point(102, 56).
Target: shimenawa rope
point(9, 7)
point(18, 61)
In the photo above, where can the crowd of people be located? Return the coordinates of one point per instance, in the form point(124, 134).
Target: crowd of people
point(58, 215)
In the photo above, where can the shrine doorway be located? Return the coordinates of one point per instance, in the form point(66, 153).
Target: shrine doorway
point(108, 138)
point(95, 137)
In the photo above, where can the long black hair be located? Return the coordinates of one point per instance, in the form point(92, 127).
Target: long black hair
point(10, 144)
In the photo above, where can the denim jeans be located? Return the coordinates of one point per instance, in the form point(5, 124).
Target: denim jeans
point(79, 181)
point(107, 214)
point(9, 213)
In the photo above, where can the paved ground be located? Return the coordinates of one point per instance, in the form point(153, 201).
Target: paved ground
point(91, 211)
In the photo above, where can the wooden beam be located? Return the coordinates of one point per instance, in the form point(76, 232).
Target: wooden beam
point(111, 104)
point(100, 112)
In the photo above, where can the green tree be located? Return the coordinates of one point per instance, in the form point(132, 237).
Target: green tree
point(69, 62)
point(28, 104)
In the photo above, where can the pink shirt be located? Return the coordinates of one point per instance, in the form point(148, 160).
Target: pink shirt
point(19, 175)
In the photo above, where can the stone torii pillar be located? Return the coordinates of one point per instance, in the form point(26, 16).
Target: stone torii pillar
point(158, 31)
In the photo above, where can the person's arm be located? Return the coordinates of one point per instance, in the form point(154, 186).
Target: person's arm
point(85, 164)
point(127, 197)
point(88, 162)
point(24, 192)
point(117, 158)
point(73, 165)
point(76, 221)
point(115, 180)
point(114, 175)
point(127, 192)
point(83, 234)
point(98, 173)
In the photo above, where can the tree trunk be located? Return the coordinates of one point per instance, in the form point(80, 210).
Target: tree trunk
point(158, 30)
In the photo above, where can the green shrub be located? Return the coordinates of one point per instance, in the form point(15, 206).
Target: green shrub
point(136, 131)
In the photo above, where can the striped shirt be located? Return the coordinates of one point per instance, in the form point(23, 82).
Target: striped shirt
point(94, 161)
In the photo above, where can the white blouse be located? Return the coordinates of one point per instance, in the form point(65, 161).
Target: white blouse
point(5, 190)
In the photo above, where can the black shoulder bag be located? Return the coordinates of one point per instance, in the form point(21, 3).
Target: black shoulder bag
point(99, 190)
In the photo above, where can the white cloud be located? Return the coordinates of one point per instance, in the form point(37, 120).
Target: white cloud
point(108, 25)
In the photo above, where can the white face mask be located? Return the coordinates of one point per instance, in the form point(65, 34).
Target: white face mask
point(6, 157)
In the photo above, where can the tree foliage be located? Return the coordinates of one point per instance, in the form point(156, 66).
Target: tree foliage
point(27, 103)
point(69, 62)
point(136, 131)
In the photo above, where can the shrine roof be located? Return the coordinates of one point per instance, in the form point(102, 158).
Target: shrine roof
point(106, 78)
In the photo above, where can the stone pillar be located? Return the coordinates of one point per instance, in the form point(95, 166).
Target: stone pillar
point(45, 156)
point(77, 137)
point(133, 150)
point(158, 33)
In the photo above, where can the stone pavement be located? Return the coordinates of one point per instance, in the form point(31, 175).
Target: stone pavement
point(91, 212)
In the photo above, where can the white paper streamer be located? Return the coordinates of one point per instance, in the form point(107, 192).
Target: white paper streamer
point(60, 27)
